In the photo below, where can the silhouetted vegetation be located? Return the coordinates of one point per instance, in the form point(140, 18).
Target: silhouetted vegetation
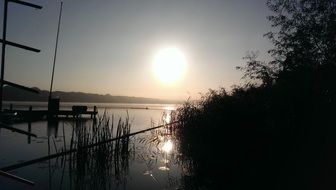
point(278, 130)
point(101, 166)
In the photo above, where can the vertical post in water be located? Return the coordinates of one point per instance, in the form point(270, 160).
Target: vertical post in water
point(53, 69)
point(4, 28)
point(30, 118)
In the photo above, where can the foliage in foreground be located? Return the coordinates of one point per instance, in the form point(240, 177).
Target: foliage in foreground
point(272, 137)
point(276, 132)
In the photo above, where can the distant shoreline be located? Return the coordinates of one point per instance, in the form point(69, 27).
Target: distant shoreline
point(77, 102)
point(67, 105)
point(13, 94)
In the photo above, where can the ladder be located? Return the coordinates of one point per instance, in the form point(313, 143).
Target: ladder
point(5, 42)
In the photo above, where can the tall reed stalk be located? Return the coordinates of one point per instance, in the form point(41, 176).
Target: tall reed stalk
point(105, 165)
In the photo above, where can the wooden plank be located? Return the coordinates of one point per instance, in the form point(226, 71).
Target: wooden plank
point(26, 4)
point(19, 86)
point(16, 130)
point(19, 45)
point(26, 115)
point(17, 178)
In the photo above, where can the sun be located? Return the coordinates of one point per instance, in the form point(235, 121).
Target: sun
point(169, 65)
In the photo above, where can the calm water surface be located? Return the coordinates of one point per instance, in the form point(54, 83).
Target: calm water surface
point(151, 161)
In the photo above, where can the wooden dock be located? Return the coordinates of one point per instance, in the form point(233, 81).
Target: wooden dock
point(30, 114)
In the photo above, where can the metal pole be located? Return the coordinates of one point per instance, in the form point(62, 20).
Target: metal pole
point(3, 51)
point(53, 70)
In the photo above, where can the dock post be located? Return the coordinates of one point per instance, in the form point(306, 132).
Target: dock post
point(29, 130)
point(94, 112)
point(53, 107)
point(30, 115)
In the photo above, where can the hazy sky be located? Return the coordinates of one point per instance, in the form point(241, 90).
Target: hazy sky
point(107, 46)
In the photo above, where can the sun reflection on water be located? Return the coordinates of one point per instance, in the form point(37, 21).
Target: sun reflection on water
point(167, 118)
point(167, 146)
point(164, 168)
point(169, 108)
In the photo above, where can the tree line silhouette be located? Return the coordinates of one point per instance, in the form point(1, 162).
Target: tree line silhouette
point(277, 131)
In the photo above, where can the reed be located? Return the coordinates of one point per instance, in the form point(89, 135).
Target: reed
point(104, 165)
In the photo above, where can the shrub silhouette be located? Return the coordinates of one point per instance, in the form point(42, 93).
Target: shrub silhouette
point(277, 131)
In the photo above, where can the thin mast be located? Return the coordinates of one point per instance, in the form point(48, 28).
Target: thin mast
point(53, 70)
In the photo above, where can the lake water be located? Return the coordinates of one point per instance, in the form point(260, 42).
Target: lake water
point(150, 160)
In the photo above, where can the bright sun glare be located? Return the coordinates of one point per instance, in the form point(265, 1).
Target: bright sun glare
point(169, 65)
point(167, 146)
